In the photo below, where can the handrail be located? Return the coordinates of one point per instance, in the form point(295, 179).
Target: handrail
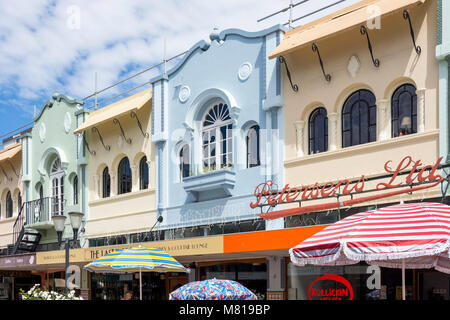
point(18, 224)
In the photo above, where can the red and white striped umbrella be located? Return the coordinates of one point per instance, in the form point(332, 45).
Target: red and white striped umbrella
point(412, 235)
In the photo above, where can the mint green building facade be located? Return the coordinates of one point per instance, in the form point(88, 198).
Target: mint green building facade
point(54, 169)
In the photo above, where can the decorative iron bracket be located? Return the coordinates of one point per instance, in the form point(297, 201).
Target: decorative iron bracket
point(411, 31)
point(12, 167)
point(107, 147)
point(364, 31)
point(3, 170)
point(87, 144)
point(283, 60)
point(116, 121)
point(316, 49)
point(134, 115)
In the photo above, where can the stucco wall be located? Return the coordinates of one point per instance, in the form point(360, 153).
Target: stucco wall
point(399, 63)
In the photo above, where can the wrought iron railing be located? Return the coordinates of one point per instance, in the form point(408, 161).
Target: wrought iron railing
point(41, 210)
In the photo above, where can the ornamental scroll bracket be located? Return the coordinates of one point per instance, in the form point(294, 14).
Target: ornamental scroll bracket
point(13, 169)
point(86, 144)
point(134, 115)
point(316, 49)
point(4, 172)
point(411, 31)
point(107, 147)
point(364, 31)
point(116, 121)
point(283, 60)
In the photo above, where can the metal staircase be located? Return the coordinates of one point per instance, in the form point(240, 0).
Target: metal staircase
point(24, 239)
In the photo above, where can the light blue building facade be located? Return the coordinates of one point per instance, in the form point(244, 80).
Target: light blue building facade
point(218, 131)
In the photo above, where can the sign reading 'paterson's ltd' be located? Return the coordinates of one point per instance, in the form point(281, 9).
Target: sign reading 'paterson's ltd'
point(422, 178)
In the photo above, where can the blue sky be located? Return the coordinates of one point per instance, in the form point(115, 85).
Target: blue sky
point(49, 46)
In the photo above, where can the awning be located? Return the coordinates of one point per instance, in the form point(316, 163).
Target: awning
point(10, 152)
point(341, 20)
point(115, 110)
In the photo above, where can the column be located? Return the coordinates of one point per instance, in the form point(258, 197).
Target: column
point(383, 120)
point(332, 131)
point(97, 187)
point(113, 184)
point(134, 178)
point(299, 126)
point(421, 110)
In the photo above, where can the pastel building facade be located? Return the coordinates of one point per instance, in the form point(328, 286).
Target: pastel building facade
point(217, 128)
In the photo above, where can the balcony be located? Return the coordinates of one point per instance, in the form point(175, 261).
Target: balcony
point(211, 185)
point(38, 213)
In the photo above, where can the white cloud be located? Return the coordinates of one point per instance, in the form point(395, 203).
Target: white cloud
point(42, 50)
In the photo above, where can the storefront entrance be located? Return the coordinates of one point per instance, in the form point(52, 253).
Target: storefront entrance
point(155, 286)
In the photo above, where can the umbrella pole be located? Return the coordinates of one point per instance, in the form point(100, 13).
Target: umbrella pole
point(403, 280)
point(140, 283)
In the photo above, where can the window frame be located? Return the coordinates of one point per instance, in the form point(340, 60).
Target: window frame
point(396, 129)
point(371, 129)
point(124, 180)
point(182, 164)
point(143, 166)
point(256, 129)
point(9, 205)
point(312, 140)
point(222, 121)
point(106, 183)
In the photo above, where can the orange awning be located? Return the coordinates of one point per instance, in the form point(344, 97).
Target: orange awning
point(355, 15)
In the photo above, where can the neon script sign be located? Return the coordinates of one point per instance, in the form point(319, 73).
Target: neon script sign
point(427, 176)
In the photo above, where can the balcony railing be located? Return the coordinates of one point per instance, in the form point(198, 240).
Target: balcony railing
point(41, 210)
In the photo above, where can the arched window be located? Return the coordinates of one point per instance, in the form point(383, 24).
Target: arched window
point(217, 138)
point(184, 162)
point(106, 183)
point(252, 142)
point(9, 205)
point(359, 119)
point(404, 110)
point(75, 190)
point(318, 131)
point(19, 202)
point(143, 173)
point(124, 176)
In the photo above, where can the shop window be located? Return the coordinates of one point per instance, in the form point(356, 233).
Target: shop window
point(124, 175)
point(9, 205)
point(359, 119)
point(217, 138)
point(404, 111)
point(252, 143)
point(318, 131)
point(106, 183)
point(184, 162)
point(75, 190)
point(143, 173)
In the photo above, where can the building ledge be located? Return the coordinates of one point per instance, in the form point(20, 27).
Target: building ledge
point(217, 184)
point(121, 197)
point(363, 148)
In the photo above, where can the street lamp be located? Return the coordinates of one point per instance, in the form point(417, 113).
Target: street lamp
point(75, 221)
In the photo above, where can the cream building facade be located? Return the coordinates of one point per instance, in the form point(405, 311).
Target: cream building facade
point(339, 43)
point(121, 174)
point(11, 191)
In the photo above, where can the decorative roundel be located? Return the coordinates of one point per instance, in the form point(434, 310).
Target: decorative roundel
point(42, 132)
point(245, 70)
point(67, 122)
point(184, 94)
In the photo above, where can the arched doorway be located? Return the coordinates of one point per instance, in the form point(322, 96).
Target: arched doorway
point(57, 185)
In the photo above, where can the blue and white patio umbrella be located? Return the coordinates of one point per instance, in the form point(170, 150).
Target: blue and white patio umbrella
point(136, 260)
